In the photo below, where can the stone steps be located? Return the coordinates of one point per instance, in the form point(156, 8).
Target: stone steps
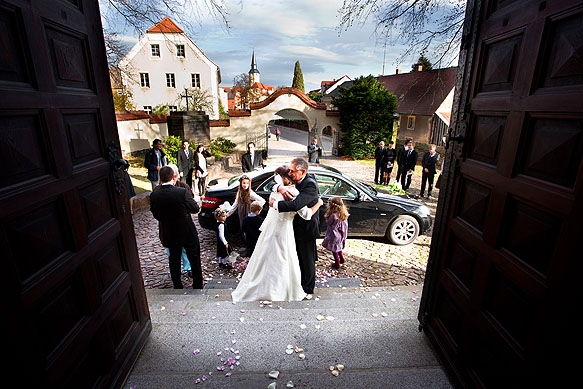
point(372, 332)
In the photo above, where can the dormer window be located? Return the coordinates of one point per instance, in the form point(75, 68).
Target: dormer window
point(180, 51)
point(155, 49)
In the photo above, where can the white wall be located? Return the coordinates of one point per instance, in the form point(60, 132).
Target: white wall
point(129, 139)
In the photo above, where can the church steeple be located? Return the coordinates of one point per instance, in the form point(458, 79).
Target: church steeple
point(253, 72)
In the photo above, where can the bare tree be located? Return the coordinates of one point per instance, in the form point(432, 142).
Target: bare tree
point(198, 100)
point(143, 14)
point(241, 88)
point(425, 26)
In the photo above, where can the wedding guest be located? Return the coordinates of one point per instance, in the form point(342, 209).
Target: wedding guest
point(314, 151)
point(250, 226)
point(129, 186)
point(400, 154)
point(379, 160)
point(172, 207)
point(155, 158)
point(201, 168)
point(185, 262)
point(184, 159)
point(245, 196)
point(388, 163)
point(223, 246)
point(252, 159)
point(336, 229)
point(428, 163)
point(409, 161)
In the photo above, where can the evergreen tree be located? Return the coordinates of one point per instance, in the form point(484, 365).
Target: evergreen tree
point(424, 62)
point(298, 81)
point(366, 116)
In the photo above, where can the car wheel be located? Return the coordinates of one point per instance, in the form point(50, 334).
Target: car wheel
point(403, 230)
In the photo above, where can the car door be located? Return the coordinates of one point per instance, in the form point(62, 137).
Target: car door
point(364, 213)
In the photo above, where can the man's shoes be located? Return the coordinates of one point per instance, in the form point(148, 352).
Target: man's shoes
point(226, 266)
point(421, 195)
point(308, 297)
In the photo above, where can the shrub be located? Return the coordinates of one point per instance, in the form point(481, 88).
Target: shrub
point(221, 147)
point(173, 144)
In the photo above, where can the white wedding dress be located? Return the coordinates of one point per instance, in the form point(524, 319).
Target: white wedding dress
point(273, 271)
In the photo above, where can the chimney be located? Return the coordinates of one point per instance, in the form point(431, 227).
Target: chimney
point(398, 71)
point(419, 68)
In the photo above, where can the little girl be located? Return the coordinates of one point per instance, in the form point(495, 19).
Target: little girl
point(336, 229)
point(245, 196)
point(222, 242)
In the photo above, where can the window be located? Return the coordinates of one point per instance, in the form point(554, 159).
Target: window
point(180, 51)
point(195, 80)
point(148, 108)
point(144, 80)
point(155, 50)
point(410, 122)
point(172, 108)
point(170, 81)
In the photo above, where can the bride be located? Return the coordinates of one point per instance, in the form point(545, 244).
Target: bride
point(273, 272)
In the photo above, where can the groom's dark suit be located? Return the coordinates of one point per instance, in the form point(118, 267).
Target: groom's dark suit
point(172, 206)
point(305, 231)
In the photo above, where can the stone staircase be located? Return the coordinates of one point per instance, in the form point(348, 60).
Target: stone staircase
point(201, 337)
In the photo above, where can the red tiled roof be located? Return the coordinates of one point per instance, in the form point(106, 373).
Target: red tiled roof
point(291, 91)
point(422, 92)
point(166, 26)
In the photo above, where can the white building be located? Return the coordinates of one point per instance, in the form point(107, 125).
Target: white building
point(163, 65)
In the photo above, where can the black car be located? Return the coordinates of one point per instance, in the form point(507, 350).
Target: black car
point(372, 214)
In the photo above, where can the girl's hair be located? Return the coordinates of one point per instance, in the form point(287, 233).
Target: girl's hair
point(336, 205)
point(198, 148)
point(244, 195)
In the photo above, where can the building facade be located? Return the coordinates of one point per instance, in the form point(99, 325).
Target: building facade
point(165, 67)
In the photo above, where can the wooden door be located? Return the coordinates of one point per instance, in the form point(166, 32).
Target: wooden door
point(77, 314)
point(502, 287)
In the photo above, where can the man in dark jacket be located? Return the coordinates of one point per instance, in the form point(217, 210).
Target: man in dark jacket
point(305, 231)
point(409, 161)
point(252, 159)
point(379, 160)
point(172, 206)
point(428, 163)
point(155, 158)
point(184, 161)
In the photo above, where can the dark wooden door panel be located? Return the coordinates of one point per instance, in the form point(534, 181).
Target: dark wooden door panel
point(501, 284)
point(79, 314)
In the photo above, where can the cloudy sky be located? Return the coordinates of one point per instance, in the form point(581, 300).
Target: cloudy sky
point(283, 32)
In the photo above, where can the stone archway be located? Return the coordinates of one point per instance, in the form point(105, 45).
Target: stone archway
point(284, 102)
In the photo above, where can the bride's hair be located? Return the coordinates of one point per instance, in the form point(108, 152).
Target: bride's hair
point(282, 171)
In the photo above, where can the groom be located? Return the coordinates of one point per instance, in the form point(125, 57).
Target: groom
point(305, 231)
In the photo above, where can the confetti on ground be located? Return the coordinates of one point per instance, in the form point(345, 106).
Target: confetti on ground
point(274, 374)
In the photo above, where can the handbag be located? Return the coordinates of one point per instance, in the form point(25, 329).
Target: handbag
point(233, 255)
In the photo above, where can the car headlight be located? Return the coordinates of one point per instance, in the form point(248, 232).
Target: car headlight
point(424, 210)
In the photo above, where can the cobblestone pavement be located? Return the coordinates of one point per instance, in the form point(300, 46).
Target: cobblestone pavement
point(374, 261)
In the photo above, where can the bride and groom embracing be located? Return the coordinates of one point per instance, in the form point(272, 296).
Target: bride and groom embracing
point(283, 265)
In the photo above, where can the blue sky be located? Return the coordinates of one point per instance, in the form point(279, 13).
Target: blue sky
point(283, 32)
